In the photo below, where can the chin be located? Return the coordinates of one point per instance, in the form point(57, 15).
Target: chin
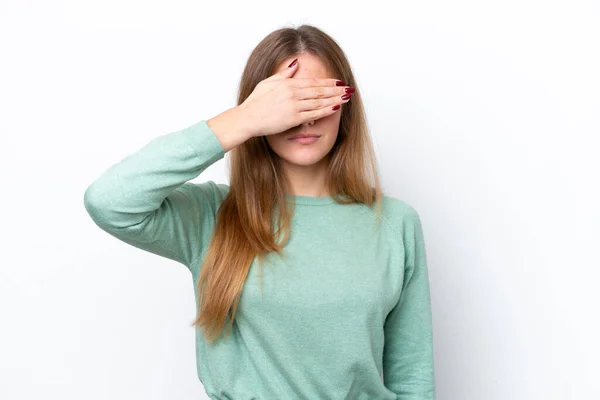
point(303, 160)
point(301, 155)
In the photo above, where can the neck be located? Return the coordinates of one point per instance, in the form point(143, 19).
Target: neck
point(307, 180)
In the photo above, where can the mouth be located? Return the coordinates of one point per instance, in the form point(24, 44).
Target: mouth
point(305, 138)
point(304, 135)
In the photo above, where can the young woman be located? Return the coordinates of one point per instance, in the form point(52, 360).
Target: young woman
point(321, 278)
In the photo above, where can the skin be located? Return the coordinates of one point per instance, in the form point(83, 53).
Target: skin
point(305, 165)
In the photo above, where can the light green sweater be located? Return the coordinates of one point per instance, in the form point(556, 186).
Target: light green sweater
point(346, 316)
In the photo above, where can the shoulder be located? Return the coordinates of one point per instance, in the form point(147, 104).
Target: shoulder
point(399, 214)
point(208, 193)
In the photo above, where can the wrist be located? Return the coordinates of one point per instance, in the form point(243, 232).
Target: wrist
point(243, 120)
point(230, 127)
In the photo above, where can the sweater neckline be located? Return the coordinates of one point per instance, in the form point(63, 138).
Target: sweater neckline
point(309, 200)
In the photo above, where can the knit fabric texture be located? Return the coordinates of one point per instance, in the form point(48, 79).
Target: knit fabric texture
point(345, 314)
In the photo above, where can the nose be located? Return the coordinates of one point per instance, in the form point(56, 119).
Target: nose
point(309, 123)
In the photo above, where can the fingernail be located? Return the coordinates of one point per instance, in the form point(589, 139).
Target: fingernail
point(340, 83)
point(346, 96)
point(293, 63)
point(349, 90)
point(336, 107)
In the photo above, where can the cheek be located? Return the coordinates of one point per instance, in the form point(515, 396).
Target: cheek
point(276, 138)
point(330, 123)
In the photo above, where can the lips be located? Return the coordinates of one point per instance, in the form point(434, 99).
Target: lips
point(303, 135)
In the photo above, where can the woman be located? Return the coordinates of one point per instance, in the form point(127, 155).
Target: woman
point(321, 278)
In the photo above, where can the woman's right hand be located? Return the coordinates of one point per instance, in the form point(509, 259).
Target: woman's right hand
point(279, 103)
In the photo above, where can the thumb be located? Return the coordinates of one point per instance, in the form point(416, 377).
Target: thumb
point(286, 72)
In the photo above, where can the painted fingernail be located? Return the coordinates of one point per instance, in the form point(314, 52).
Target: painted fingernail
point(349, 90)
point(293, 63)
point(346, 96)
point(336, 107)
point(340, 83)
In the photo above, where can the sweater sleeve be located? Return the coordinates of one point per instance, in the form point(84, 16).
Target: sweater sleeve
point(145, 199)
point(408, 349)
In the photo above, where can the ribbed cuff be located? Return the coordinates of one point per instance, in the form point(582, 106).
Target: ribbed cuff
point(205, 143)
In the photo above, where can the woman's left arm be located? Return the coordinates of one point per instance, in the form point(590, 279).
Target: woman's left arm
point(408, 350)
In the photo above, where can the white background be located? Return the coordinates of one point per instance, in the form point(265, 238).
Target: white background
point(484, 117)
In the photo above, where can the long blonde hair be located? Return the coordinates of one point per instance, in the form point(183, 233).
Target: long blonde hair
point(244, 225)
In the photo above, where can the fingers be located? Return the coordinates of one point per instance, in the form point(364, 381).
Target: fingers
point(315, 92)
point(321, 102)
point(286, 72)
point(315, 97)
point(308, 82)
point(311, 115)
